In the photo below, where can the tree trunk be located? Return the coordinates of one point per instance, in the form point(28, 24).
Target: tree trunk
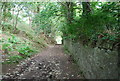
point(38, 9)
point(4, 6)
point(86, 8)
point(15, 27)
point(69, 12)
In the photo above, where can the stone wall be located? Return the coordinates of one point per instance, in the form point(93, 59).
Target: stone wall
point(95, 63)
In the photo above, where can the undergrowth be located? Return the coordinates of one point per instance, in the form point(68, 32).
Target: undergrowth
point(16, 49)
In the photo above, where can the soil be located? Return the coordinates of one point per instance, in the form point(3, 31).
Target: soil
point(51, 63)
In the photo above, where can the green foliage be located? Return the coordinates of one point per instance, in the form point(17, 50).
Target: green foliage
point(101, 20)
point(7, 26)
point(13, 59)
point(43, 19)
point(109, 37)
point(25, 50)
point(14, 43)
point(8, 14)
point(14, 39)
point(7, 46)
point(9, 43)
point(52, 19)
point(25, 42)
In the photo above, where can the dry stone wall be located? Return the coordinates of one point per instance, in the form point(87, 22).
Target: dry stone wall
point(95, 63)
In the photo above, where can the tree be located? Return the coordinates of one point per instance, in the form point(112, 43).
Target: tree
point(19, 8)
point(86, 8)
point(6, 7)
point(68, 11)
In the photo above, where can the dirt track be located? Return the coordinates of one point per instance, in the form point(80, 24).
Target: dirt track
point(50, 63)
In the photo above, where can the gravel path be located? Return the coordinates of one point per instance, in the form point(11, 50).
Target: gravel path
point(51, 63)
